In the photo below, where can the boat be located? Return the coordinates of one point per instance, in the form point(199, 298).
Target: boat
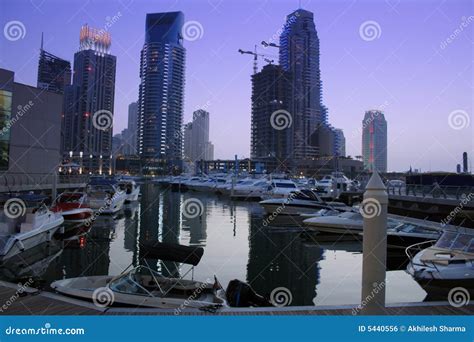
point(401, 231)
point(105, 196)
point(445, 264)
point(143, 286)
point(297, 202)
point(131, 189)
point(280, 188)
point(29, 227)
point(73, 206)
point(331, 186)
point(250, 189)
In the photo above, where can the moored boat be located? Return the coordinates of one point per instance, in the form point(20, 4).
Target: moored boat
point(73, 206)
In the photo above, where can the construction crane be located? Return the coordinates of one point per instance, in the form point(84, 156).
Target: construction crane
point(264, 43)
point(255, 57)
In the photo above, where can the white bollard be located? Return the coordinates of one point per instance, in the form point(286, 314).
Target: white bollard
point(374, 211)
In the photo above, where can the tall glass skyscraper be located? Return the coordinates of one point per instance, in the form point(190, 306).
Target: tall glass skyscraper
point(374, 141)
point(161, 94)
point(299, 55)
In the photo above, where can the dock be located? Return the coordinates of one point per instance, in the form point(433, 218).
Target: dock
point(35, 302)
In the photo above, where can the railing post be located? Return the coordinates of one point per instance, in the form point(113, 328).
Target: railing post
point(374, 211)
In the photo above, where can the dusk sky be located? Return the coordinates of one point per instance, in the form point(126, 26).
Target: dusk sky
point(422, 82)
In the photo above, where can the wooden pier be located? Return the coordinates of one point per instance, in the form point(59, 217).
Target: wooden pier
point(34, 302)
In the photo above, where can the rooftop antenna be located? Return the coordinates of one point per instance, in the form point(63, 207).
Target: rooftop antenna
point(299, 4)
point(41, 48)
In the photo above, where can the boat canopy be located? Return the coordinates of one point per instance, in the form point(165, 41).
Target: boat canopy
point(171, 252)
point(457, 240)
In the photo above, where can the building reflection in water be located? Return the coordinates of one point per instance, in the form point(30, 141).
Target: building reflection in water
point(282, 258)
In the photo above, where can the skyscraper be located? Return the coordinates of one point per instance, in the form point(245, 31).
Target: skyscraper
point(299, 55)
point(132, 128)
point(161, 93)
point(374, 141)
point(89, 103)
point(54, 73)
point(340, 143)
point(271, 94)
point(196, 138)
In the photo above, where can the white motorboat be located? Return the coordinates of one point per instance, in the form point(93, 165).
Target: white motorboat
point(142, 286)
point(131, 189)
point(401, 231)
point(446, 264)
point(35, 225)
point(332, 185)
point(280, 188)
point(105, 196)
point(250, 189)
point(297, 202)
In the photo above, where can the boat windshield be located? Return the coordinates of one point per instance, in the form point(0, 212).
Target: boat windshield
point(285, 185)
point(351, 216)
point(457, 241)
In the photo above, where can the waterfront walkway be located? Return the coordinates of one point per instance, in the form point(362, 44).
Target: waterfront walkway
point(34, 302)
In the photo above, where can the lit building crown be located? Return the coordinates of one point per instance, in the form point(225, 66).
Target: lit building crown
point(94, 39)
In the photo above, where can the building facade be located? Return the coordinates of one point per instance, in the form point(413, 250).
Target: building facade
point(196, 138)
point(340, 143)
point(270, 137)
point(54, 73)
point(30, 122)
point(161, 94)
point(374, 141)
point(299, 55)
point(89, 104)
point(131, 133)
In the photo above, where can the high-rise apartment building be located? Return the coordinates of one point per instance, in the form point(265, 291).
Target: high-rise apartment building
point(374, 141)
point(271, 122)
point(196, 138)
point(161, 94)
point(89, 103)
point(299, 55)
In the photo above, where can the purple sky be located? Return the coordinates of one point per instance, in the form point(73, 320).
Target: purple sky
point(405, 71)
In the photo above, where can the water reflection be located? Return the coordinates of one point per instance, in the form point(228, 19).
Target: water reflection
point(236, 244)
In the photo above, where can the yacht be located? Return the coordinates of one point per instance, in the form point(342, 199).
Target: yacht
point(332, 185)
point(446, 264)
point(250, 189)
point(131, 189)
point(297, 202)
point(73, 206)
point(34, 225)
point(280, 188)
point(105, 196)
point(143, 286)
point(401, 231)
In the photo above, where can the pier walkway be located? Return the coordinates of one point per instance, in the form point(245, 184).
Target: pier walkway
point(34, 302)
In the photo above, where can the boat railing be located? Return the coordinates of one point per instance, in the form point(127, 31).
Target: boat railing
point(432, 191)
point(414, 249)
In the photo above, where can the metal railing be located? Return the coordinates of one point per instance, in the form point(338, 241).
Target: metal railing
point(36, 180)
point(433, 191)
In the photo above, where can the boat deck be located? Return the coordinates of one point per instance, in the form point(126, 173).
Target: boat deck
point(34, 302)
